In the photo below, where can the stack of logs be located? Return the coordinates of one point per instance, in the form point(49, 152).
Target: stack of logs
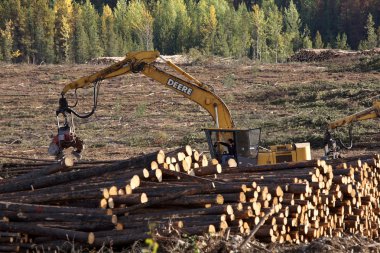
point(183, 192)
point(315, 55)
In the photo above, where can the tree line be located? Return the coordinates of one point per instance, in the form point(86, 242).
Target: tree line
point(59, 31)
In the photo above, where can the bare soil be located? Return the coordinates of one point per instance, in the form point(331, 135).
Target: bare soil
point(290, 102)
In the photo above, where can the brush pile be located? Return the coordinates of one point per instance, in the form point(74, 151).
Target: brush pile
point(317, 55)
point(182, 192)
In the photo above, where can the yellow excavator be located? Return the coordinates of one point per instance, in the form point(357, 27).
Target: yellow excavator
point(225, 141)
point(333, 146)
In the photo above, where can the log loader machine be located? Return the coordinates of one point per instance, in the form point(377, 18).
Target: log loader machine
point(224, 141)
point(333, 146)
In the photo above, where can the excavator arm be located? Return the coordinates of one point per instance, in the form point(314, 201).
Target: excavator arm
point(369, 113)
point(331, 147)
point(143, 62)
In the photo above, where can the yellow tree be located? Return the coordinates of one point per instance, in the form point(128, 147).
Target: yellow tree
point(63, 10)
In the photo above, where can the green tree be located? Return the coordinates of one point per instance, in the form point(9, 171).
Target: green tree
point(123, 28)
point(109, 37)
point(274, 37)
point(318, 42)
point(10, 10)
point(141, 22)
point(43, 22)
point(306, 39)
point(6, 40)
point(80, 40)
point(258, 32)
point(239, 38)
point(208, 25)
point(292, 24)
point(371, 40)
point(341, 41)
point(90, 20)
point(63, 29)
point(171, 23)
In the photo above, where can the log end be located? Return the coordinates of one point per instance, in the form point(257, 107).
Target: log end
point(91, 238)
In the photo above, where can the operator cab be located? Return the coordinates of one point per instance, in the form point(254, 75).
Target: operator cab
point(239, 144)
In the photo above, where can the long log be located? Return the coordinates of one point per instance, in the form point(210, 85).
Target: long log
point(55, 179)
point(25, 227)
point(47, 209)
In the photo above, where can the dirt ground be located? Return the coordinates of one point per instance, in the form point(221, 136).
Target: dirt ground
point(138, 115)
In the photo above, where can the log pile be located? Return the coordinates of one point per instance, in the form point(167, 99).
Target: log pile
point(317, 55)
point(155, 195)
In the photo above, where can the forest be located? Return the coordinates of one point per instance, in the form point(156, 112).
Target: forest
point(67, 31)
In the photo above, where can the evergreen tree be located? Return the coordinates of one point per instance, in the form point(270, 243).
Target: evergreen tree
point(318, 42)
point(141, 24)
point(90, 20)
point(258, 32)
point(341, 41)
point(43, 43)
point(240, 32)
point(292, 24)
point(6, 40)
point(63, 29)
point(109, 38)
point(306, 39)
point(123, 28)
point(182, 27)
point(273, 28)
point(208, 25)
point(371, 40)
point(80, 40)
point(169, 38)
point(17, 13)
point(194, 39)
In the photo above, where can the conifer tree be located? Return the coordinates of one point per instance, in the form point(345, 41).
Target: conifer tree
point(63, 29)
point(292, 23)
point(109, 38)
point(80, 40)
point(194, 40)
point(90, 20)
point(43, 43)
point(341, 41)
point(371, 40)
point(273, 28)
point(208, 24)
point(123, 28)
point(6, 41)
point(240, 38)
point(306, 39)
point(13, 10)
point(182, 27)
point(318, 43)
point(258, 32)
point(168, 36)
point(141, 22)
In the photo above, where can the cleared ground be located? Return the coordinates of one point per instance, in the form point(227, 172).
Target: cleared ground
point(291, 103)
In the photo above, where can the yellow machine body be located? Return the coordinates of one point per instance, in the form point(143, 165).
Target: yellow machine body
point(285, 153)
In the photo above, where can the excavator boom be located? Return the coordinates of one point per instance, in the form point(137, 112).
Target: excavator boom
point(141, 62)
point(369, 113)
point(331, 146)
